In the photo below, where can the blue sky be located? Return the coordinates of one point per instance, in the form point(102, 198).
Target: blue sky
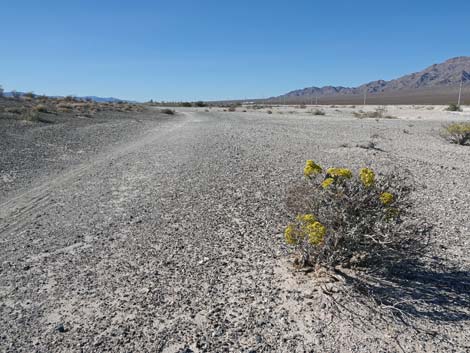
point(207, 49)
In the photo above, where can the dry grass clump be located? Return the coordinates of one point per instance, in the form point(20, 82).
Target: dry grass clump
point(15, 110)
point(458, 133)
point(64, 107)
point(353, 220)
point(40, 108)
point(31, 115)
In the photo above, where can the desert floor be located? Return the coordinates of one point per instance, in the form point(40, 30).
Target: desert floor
point(145, 232)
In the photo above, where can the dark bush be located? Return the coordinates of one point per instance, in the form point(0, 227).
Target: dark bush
point(167, 111)
point(454, 108)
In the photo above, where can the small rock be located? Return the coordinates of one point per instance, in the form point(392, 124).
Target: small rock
point(60, 328)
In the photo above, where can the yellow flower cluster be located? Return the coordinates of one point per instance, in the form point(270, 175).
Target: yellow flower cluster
point(309, 228)
point(339, 173)
point(386, 198)
point(327, 182)
point(306, 218)
point(311, 168)
point(367, 176)
point(289, 235)
point(315, 232)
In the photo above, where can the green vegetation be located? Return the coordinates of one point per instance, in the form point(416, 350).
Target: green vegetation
point(318, 112)
point(454, 108)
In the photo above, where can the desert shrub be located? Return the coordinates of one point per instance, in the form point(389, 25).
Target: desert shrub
point(167, 111)
point(269, 112)
point(350, 220)
point(232, 108)
point(302, 106)
point(378, 113)
point(64, 107)
point(31, 115)
point(40, 108)
point(200, 104)
point(186, 104)
point(454, 108)
point(318, 112)
point(15, 110)
point(458, 133)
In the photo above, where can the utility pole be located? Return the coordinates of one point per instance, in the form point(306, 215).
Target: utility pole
point(460, 90)
point(316, 99)
point(365, 96)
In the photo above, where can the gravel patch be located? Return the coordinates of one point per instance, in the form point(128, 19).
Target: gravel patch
point(169, 238)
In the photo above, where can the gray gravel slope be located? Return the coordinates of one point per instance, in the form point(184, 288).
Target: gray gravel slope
point(173, 241)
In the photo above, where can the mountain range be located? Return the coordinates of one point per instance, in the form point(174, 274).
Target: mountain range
point(436, 79)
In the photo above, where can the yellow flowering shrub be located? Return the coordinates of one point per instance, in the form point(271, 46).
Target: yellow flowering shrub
point(458, 133)
point(315, 232)
point(311, 168)
point(367, 176)
point(386, 198)
point(327, 182)
point(306, 218)
point(289, 235)
point(343, 217)
point(339, 173)
point(306, 230)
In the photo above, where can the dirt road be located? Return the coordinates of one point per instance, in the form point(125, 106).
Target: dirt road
point(172, 241)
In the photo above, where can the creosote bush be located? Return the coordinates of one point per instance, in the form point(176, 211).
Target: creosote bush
point(347, 219)
point(458, 133)
point(168, 111)
point(318, 112)
point(454, 108)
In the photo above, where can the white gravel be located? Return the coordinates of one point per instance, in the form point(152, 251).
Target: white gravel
point(172, 240)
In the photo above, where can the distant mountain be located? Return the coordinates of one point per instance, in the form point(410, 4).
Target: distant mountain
point(438, 76)
point(103, 99)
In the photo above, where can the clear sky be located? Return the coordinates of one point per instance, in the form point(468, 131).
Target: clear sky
point(208, 49)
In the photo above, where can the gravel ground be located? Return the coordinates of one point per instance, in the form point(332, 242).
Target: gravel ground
point(166, 236)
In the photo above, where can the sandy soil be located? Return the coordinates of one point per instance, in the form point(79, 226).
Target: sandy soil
point(166, 235)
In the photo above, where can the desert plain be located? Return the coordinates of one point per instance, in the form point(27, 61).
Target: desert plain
point(140, 231)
